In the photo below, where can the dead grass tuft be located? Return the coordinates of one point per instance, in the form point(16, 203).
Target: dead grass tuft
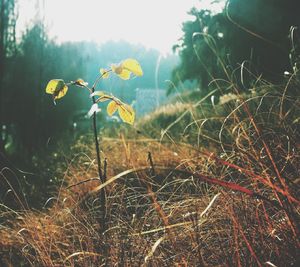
point(229, 197)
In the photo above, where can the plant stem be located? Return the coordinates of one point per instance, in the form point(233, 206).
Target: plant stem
point(102, 179)
point(97, 143)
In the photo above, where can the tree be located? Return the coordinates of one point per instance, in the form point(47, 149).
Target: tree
point(7, 50)
point(255, 32)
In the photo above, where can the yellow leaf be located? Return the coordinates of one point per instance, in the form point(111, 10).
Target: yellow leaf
point(126, 67)
point(53, 85)
point(117, 69)
point(57, 88)
point(133, 66)
point(126, 113)
point(124, 74)
point(104, 73)
point(111, 108)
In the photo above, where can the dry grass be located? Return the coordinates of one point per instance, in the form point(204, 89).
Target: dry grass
point(231, 202)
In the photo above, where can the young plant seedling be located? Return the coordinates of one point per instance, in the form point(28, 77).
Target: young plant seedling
point(58, 89)
point(125, 69)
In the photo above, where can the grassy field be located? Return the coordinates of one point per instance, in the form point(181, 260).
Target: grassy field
point(200, 184)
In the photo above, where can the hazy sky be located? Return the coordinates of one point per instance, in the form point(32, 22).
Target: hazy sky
point(152, 23)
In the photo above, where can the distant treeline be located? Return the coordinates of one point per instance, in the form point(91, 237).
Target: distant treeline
point(248, 40)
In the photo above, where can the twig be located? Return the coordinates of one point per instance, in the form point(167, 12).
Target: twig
point(152, 170)
point(84, 181)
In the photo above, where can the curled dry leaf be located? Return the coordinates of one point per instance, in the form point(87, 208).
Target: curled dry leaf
point(81, 83)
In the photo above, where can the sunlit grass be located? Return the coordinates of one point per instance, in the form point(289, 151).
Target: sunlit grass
point(164, 213)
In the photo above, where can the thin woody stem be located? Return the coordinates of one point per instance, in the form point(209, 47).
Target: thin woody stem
point(97, 142)
point(102, 198)
point(98, 79)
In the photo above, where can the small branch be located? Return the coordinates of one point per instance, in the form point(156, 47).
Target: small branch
point(98, 79)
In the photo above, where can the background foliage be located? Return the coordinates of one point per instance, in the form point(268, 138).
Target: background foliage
point(253, 33)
